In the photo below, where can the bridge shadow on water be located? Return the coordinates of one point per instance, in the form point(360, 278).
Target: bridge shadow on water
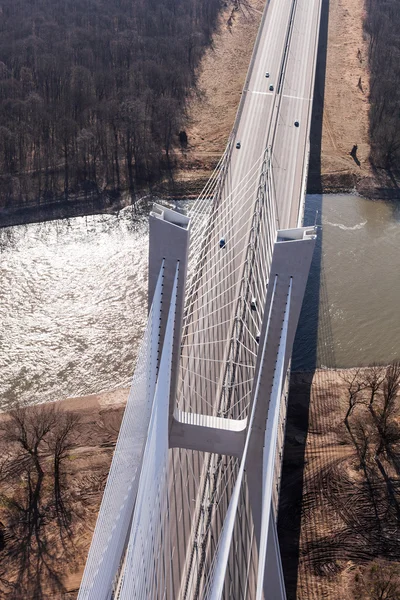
point(306, 345)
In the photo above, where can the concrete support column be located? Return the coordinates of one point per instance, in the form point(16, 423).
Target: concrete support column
point(291, 262)
point(274, 583)
point(169, 241)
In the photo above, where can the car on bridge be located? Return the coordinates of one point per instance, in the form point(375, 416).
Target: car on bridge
point(238, 145)
point(271, 88)
point(267, 74)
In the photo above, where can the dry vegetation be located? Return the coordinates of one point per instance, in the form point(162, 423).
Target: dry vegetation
point(215, 100)
point(340, 112)
point(55, 461)
point(340, 504)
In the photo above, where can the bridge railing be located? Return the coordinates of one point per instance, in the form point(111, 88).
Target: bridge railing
point(116, 509)
point(147, 568)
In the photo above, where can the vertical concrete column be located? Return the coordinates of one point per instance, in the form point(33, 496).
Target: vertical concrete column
point(169, 241)
point(291, 262)
point(274, 583)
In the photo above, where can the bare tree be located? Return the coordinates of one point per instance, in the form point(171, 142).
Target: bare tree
point(27, 428)
point(364, 437)
point(374, 377)
point(34, 438)
point(379, 581)
point(386, 426)
point(356, 384)
point(60, 443)
point(391, 385)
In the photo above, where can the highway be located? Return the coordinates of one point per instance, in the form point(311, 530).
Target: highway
point(220, 345)
point(286, 49)
point(290, 144)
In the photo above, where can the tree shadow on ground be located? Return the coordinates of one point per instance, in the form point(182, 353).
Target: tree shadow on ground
point(36, 505)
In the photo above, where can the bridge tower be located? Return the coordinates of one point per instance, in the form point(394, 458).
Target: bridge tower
point(258, 439)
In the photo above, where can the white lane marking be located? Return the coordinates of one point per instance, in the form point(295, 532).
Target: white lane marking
point(295, 97)
point(262, 93)
point(272, 93)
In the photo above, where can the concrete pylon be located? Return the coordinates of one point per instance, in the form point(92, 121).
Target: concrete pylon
point(290, 266)
point(169, 233)
point(274, 583)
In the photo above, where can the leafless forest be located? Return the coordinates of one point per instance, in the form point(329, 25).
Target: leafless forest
point(382, 25)
point(93, 93)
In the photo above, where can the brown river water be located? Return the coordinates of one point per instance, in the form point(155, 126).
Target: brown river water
point(73, 297)
point(351, 311)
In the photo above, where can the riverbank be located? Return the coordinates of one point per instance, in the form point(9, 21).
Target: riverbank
point(327, 528)
point(339, 495)
point(61, 208)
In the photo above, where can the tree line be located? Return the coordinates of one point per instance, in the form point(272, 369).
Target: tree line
point(93, 93)
point(382, 25)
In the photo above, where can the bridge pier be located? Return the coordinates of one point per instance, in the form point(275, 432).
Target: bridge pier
point(291, 263)
point(169, 235)
point(290, 266)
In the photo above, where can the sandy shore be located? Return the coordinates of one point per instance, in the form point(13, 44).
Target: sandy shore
point(109, 399)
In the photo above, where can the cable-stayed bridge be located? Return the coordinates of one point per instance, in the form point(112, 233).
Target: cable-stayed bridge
point(190, 506)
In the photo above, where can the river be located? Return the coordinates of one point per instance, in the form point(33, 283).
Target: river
point(73, 305)
point(350, 314)
point(73, 297)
